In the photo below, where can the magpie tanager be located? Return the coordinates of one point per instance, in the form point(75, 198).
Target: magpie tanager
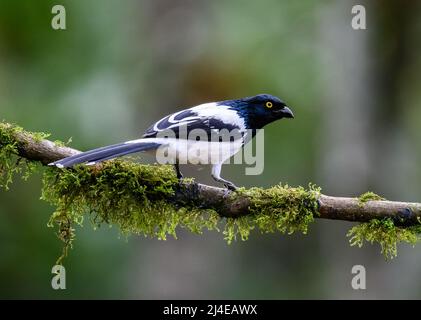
point(207, 133)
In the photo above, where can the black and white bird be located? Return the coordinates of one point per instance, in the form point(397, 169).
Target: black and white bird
point(207, 133)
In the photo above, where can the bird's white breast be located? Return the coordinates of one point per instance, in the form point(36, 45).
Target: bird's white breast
point(193, 152)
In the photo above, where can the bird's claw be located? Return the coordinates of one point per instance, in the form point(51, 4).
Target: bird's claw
point(230, 186)
point(229, 189)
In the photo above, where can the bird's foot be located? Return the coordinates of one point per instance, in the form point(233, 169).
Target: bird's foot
point(178, 172)
point(230, 186)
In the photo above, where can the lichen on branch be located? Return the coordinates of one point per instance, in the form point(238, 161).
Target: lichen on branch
point(368, 196)
point(11, 163)
point(385, 233)
point(142, 199)
point(149, 200)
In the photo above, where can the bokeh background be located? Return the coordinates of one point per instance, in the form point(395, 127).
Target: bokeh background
point(121, 65)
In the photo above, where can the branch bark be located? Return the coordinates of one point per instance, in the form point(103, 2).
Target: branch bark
point(336, 208)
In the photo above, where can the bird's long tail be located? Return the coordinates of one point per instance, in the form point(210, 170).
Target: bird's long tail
point(107, 153)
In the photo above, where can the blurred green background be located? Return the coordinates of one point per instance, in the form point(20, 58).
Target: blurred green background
point(120, 65)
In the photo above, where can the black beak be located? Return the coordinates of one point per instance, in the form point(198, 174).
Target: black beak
point(286, 112)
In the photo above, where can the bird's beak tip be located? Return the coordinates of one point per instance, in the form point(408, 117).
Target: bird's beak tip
point(288, 113)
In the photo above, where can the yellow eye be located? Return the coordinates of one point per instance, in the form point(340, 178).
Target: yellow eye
point(269, 104)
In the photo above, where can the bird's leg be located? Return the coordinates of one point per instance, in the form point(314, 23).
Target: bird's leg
point(178, 172)
point(216, 175)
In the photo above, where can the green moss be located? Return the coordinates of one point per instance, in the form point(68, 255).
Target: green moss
point(39, 136)
point(139, 200)
point(10, 161)
point(283, 208)
point(280, 208)
point(241, 226)
point(134, 197)
point(368, 196)
point(385, 233)
point(62, 144)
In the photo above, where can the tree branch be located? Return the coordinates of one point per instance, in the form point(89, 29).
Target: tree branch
point(337, 208)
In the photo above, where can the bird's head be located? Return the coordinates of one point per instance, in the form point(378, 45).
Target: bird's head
point(260, 110)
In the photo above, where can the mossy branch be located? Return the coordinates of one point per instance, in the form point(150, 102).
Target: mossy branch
point(148, 199)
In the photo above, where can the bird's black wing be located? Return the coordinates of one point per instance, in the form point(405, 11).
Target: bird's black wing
point(181, 125)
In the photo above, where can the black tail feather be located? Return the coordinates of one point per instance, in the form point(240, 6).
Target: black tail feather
point(106, 153)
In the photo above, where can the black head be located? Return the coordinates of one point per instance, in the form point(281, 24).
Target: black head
point(261, 110)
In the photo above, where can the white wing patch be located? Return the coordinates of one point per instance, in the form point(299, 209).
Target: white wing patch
point(220, 112)
point(200, 116)
point(170, 121)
